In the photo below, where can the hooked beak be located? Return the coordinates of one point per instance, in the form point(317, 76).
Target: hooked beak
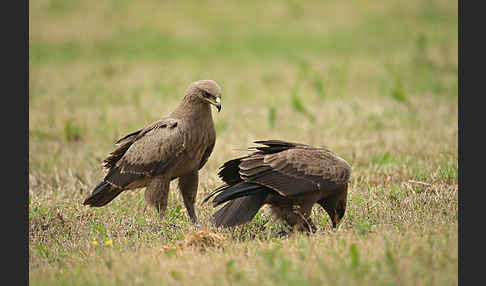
point(218, 103)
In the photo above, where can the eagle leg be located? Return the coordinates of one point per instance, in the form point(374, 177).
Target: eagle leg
point(296, 216)
point(188, 187)
point(309, 226)
point(157, 194)
point(305, 223)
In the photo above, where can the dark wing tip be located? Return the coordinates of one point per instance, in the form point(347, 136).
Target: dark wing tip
point(271, 142)
point(216, 191)
point(279, 143)
point(127, 136)
point(274, 146)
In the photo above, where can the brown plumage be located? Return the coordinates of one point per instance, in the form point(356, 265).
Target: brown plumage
point(176, 146)
point(290, 177)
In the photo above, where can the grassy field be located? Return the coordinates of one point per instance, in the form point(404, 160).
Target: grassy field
point(374, 81)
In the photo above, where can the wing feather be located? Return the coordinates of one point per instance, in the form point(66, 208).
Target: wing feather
point(153, 150)
point(296, 170)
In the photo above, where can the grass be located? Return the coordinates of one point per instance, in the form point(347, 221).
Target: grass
point(376, 83)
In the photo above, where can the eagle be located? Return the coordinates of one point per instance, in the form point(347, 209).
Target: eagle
point(176, 146)
point(289, 177)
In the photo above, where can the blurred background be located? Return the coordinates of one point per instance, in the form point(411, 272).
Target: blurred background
point(360, 77)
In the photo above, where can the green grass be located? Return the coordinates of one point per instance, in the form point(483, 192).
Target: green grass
point(374, 82)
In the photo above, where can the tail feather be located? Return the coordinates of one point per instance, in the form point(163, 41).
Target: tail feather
point(102, 194)
point(229, 192)
point(244, 200)
point(229, 172)
point(218, 190)
point(240, 210)
point(239, 190)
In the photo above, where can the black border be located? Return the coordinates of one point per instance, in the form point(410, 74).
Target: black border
point(470, 155)
point(15, 142)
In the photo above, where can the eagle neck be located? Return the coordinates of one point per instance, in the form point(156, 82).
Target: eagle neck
point(193, 108)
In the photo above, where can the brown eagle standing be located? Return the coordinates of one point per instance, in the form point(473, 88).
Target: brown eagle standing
point(290, 177)
point(176, 146)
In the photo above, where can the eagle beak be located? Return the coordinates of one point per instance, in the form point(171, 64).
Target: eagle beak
point(218, 103)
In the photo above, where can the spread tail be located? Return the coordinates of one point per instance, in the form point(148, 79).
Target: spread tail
point(240, 210)
point(245, 199)
point(102, 194)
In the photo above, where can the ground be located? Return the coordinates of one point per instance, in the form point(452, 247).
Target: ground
point(375, 82)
